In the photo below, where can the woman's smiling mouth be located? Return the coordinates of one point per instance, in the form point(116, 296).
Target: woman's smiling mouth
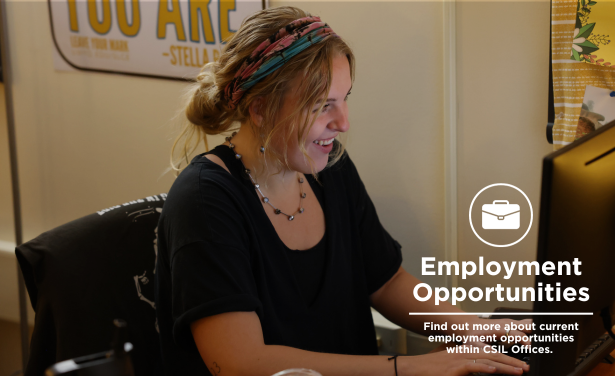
point(324, 142)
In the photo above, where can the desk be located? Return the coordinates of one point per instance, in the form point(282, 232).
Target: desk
point(603, 369)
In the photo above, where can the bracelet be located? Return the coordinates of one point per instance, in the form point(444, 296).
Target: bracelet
point(394, 358)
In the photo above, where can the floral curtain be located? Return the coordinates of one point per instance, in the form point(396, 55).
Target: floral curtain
point(583, 63)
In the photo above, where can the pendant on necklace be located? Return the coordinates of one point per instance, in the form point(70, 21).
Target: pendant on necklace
point(265, 199)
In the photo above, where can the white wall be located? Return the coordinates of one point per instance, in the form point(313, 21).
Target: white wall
point(396, 136)
point(6, 203)
point(503, 80)
point(88, 140)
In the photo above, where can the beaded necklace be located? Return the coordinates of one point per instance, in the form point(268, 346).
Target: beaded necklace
point(258, 189)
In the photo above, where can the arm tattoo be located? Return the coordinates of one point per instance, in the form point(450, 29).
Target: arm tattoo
point(215, 369)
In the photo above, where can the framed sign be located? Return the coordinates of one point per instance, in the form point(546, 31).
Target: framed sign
point(169, 39)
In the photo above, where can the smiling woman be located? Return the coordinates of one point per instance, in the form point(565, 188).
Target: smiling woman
point(270, 250)
point(251, 85)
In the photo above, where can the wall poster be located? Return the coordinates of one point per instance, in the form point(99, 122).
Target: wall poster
point(156, 38)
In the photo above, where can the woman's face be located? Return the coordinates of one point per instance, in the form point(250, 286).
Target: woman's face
point(330, 122)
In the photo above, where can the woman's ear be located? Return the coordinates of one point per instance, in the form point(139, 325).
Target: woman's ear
point(255, 111)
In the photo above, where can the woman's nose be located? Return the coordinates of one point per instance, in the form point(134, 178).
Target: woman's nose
point(341, 123)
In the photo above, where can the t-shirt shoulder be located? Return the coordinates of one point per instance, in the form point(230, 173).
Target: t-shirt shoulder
point(204, 204)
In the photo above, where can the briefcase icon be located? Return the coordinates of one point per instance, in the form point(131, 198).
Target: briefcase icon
point(501, 215)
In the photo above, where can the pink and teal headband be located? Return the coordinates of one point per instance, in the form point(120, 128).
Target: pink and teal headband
point(274, 52)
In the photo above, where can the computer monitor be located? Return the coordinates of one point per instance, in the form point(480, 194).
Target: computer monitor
point(577, 220)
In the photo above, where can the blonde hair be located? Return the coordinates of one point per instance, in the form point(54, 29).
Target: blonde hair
point(206, 110)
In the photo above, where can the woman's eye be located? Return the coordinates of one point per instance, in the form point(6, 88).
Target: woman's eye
point(345, 99)
point(324, 109)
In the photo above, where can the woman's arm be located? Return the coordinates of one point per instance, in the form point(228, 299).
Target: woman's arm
point(232, 344)
point(395, 299)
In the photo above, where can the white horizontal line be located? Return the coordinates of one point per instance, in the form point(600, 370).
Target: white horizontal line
point(7, 247)
point(566, 61)
point(500, 313)
point(565, 22)
point(567, 104)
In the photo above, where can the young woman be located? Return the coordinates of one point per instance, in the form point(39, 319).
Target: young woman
point(270, 249)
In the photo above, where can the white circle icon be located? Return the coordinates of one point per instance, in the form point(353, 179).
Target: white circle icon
point(528, 227)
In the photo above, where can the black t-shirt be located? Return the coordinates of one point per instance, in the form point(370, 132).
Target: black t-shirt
point(308, 267)
point(218, 252)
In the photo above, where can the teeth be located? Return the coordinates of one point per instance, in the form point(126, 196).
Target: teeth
point(325, 142)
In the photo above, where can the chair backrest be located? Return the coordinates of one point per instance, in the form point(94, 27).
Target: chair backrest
point(86, 273)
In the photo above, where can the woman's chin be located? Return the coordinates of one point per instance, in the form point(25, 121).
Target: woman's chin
point(319, 164)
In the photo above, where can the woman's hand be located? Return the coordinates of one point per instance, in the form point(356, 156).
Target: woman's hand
point(458, 364)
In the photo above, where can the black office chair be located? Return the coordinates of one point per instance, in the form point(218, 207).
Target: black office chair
point(84, 274)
